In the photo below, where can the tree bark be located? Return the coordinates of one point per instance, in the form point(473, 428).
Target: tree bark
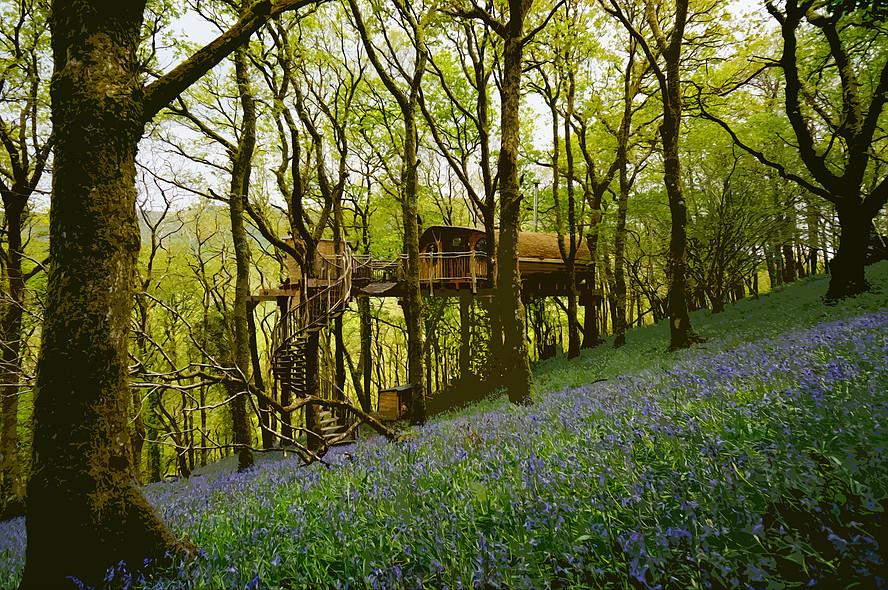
point(240, 187)
point(464, 336)
point(412, 295)
point(313, 389)
point(592, 337)
point(339, 358)
point(407, 103)
point(847, 268)
point(515, 364)
point(573, 328)
point(619, 316)
point(366, 352)
point(84, 512)
point(24, 162)
point(789, 265)
point(681, 333)
point(264, 409)
point(11, 483)
point(630, 88)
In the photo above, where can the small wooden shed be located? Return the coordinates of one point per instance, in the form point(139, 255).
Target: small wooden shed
point(395, 402)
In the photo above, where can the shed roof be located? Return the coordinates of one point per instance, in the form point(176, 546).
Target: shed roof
point(398, 388)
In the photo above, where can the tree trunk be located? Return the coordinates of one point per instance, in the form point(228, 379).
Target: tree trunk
point(847, 268)
point(771, 267)
point(718, 301)
point(312, 387)
point(84, 512)
point(515, 365)
point(592, 335)
point(339, 359)
point(495, 333)
point(464, 336)
point(366, 352)
point(681, 333)
point(155, 450)
point(138, 433)
point(240, 186)
point(789, 265)
point(619, 319)
point(412, 296)
point(573, 327)
point(11, 483)
point(407, 102)
point(264, 410)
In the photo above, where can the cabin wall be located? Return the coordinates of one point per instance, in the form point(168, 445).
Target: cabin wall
point(324, 265)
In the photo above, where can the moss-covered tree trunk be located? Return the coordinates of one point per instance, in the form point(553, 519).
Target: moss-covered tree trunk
point(465, 336)
point(11, 482)
point(240, 186)
point(631, 84)
point(573, 325)
point(619, 316)
point(515, 364)
point(848, 268)
point(366, 352)
point(264, 409)
point(84, 510)
point(681, 333)
point(339, 360)
point(407, 103)
point(592, 326)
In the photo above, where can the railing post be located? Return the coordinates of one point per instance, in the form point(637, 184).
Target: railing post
point(472, 270)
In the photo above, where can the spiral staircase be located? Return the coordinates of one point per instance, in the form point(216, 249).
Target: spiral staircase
point(326, 301)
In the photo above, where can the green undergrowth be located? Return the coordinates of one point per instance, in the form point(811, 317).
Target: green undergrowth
point(788, 307)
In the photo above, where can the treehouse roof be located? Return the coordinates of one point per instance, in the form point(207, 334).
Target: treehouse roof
point(539, 245)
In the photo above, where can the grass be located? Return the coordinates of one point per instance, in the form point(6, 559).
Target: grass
point(789, 307)
point(756, 460)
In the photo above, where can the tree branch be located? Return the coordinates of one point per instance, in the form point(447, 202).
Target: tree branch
point(781, 170)
point(162, 91)
point(529, 36)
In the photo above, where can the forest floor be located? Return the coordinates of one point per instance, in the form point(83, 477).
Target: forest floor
point(757, 459)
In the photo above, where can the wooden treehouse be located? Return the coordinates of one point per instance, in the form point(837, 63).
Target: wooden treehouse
point(455, 259)
point(453, 262)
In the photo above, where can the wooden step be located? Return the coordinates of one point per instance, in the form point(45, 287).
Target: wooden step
point(329, 431)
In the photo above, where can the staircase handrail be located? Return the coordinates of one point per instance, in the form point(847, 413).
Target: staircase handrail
point(299, 318)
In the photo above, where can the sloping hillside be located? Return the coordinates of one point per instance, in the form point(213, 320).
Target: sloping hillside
point(756, 460)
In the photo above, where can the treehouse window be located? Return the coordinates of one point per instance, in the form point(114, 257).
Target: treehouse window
point(458, 242)
point(481, 245)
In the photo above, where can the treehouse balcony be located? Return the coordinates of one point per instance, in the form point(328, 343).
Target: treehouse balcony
point(452, 260)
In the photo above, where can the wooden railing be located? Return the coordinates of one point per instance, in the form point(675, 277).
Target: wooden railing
point(469, 267)
point(453, 266)
point(371, 270)
point(314, 311)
